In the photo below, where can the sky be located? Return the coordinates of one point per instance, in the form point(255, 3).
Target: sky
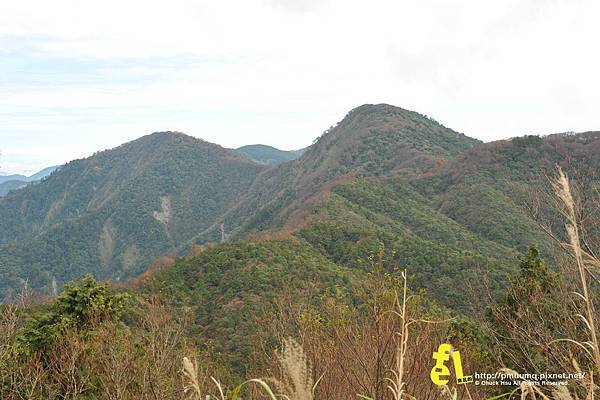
point(78, 76)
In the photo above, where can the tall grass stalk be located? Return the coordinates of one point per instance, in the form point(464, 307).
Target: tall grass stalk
point(562, 190)
point(297, 383)
point(190, 373)
point(397, 383)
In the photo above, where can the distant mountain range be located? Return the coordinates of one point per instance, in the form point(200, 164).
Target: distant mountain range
point(35, 177)
point(13, 182)
point(444, 205)
point(269, 155)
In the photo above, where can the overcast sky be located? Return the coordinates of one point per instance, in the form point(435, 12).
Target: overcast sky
point(80, 76)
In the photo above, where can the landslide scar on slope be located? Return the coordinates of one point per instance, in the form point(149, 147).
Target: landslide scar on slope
point(164, 215)
point(108, 239)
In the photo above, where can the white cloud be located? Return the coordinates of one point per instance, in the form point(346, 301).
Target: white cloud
point(279, 71)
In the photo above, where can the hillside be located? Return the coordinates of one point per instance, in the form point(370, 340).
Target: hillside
point(300, 258)
point(383, 139)
point(491, 188)
point(452, 228)
point(269, 155)
point(228, 289)
point(372, 140)
point(114, 212)
point(446, 206)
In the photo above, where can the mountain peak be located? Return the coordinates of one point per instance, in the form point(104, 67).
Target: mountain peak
point(166, 137)
point(384, 109)
point(380, 138)
point(379, 107)
point(149, 146)
point(168, 185)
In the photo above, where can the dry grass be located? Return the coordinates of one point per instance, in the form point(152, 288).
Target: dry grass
point(192, 383)
point(298, 382)
point(397, 384)
point(562, 190)
point(526, 387)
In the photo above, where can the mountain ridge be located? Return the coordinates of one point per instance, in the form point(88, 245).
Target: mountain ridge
point(166, 193)
point(370, 140)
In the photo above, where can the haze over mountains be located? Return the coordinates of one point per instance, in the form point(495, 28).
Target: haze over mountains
point(269, 155)
point(35, 177)
point(17, 181)
point(445, 205)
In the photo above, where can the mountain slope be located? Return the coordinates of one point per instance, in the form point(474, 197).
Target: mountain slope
point(114, 212)
point(446, 206)
point(372, 140)
point(229, 287)
point(449, 210)
point(493, 187)
point(473, 213)
point(418, 218)
point(383, 139)
point(357, 217)
point(268, 155)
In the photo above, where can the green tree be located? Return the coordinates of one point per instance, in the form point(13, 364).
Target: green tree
point(526, 321)
point(81, 307)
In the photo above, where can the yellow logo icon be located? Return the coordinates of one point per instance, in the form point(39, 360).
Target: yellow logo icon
point(441, 371)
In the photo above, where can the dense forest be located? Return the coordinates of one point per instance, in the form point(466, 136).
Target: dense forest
point(439, 199)
point(333, 274)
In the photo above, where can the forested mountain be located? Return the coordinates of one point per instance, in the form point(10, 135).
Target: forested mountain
point(491, 188)
point(444, 205)
point(456, 213)
point(114, 212)
point(372, 140)
point(269, 155)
